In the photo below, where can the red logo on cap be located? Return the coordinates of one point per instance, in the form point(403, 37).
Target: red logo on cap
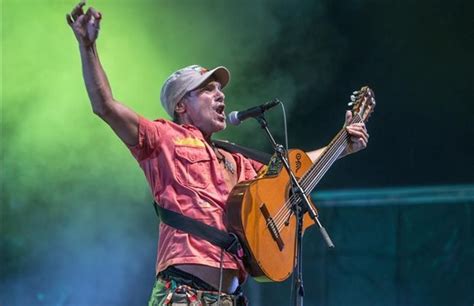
point(199, 69)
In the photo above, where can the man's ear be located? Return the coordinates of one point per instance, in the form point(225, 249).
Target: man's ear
point(180, 108)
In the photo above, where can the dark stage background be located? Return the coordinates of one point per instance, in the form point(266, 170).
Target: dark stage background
point(77, 226)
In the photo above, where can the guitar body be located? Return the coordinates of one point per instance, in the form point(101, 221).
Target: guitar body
point(252, 212)
point(259, 212)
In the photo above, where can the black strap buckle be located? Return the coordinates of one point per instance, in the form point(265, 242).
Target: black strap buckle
point(235, 247)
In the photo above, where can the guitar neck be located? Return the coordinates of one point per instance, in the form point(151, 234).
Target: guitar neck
point(327, 158)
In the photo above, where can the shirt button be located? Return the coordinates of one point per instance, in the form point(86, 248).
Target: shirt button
point(205, 204)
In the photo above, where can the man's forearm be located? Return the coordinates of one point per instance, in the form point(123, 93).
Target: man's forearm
point(314, 155)
point(120, 118)
point(95, 79)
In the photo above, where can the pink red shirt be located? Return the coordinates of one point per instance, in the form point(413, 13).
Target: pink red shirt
point(184, 176)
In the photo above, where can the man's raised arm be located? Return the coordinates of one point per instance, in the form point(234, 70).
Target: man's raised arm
point(121, 119)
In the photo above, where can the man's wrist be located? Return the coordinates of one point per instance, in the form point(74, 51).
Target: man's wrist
point(86, 43)
point(344, 153)
point(88, 48)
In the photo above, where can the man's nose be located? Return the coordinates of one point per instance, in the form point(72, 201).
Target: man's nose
point(220, 96)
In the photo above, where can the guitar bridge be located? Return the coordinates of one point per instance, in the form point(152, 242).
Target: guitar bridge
point(271, 226)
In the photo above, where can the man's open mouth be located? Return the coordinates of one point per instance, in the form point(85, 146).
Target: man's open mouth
point(220, 111)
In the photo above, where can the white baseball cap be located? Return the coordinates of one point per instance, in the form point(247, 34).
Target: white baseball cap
point(187, 79)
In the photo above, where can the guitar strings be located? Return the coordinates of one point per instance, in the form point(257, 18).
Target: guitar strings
point(312, 182)
point(283, 214)
point(311, 178)
point(332, 155)
point(281, 218)
point(303, 181)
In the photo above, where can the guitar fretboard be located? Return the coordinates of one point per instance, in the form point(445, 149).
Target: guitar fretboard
point(332, 152)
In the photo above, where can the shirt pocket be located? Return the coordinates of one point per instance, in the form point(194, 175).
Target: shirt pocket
point(193, 166)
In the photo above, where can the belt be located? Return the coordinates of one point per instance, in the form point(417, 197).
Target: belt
point(184, 278)
point(191, 288)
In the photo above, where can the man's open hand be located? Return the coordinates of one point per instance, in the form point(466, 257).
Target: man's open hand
point(85, 25)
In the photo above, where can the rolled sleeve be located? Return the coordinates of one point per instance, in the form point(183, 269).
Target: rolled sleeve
point(148, 139)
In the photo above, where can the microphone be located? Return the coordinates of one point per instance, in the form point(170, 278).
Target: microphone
point(235, 117)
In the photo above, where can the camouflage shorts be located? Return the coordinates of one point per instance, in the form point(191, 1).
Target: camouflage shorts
point(170, 292)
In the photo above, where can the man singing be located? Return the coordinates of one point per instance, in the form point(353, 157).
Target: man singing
point(186, 172)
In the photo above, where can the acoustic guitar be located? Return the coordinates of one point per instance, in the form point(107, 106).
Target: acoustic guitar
point(261, 212)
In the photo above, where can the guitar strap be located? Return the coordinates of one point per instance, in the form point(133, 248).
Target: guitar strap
point(259, 156)
point(226, 241)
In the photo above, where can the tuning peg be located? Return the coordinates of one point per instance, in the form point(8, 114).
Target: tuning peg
point(350, 103)
point(373, 101)
point(353, 98)
point(355, 92)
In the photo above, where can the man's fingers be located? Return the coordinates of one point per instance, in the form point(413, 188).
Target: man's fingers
point(82, 20)
point(363, 142)
point(93, 18)
point(97, 23)
point(358, 132)
point(93, 13)
point(77, 10)
point(357, 127)
point(348, 117)
point(80, 5)
point(356, 138)
point(69, 20)
point(359, 124)
point(359, 141)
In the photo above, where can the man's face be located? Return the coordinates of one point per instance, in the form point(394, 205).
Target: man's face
point(205, 108)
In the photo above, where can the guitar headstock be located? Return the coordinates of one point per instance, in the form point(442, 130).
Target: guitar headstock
point(363, 102)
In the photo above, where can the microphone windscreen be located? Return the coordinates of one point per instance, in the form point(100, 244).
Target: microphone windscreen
point(232, 118)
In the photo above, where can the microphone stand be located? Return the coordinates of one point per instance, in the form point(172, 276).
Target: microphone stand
point(302, 206)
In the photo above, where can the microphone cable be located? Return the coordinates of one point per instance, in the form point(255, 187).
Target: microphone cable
point(285, 128)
